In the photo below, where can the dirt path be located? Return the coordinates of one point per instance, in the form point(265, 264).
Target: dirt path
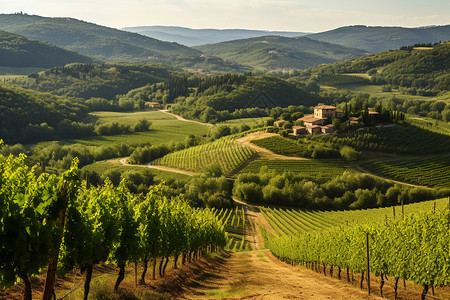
point(183, 119)
point(259, 275)
point(123, 161)
point(358, 168)
point(263, 152)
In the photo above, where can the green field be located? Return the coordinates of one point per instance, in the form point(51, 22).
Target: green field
point(325, 169)
point(433, 172)
point(225, 152)
point(164, 129)
point(295, 221)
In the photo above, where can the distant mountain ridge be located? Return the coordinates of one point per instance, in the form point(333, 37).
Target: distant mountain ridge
point(93, 40)
point(276, 52)
point(378, 38)
point(196, 37)
point(19, 51)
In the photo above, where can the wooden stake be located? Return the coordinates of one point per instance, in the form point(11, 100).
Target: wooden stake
point(368, 264)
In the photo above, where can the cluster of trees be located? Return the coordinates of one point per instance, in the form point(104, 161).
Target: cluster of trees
point(104, 224)
point(237, 97)
point(348, 191)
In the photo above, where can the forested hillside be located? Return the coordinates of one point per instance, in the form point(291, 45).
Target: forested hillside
point(29, 115)
point(94, 80)
point(90, 39)
point(424, 70)
point(18, 51)
point(274, 52)
point(380, 38)
point(216, 98)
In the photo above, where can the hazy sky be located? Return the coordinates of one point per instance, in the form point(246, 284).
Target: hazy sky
point(290, 15)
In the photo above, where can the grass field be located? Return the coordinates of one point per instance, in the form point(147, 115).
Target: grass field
point(165, 128)
point(295, 221)
point(423, 171)
point(318, 169)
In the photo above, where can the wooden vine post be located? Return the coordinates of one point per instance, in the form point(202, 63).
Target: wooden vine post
point(368, 264)
point(48, 292)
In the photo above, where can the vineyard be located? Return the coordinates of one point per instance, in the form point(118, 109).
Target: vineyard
point(48, 216)
point(317, 169)
point(433, 172)
point(225, 152)
point(397, 139)
point(295, 221)
point(234, 221)
point(414, 246)
point(280, 145)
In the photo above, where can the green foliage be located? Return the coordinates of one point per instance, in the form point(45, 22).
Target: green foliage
point(398, 139)
point(18, 51)
point(237, 96)
point(276, 52)
point(234, 220)
point(42, 114)
point(348, 153)
point(95, 81)
point(347, 191)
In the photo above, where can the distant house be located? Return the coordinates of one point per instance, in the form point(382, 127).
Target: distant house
point(279, 123)
point(298, 130)
point(310, 120)
point(152, 105)
point(315, 129)
point(374, 114)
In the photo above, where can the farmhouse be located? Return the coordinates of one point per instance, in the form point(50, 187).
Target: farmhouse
point(152, 105)
point(328, 112)
point(328, 128)
point(310, 120)
point(299, 130)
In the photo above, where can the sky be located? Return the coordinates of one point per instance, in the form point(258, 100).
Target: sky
point(287, 15)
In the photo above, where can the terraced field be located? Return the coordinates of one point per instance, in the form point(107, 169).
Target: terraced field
point(318, 169)
point(225, 152)
point(295, 221)
point(433, 172)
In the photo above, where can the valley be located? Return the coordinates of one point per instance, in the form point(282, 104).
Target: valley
point(256, 164)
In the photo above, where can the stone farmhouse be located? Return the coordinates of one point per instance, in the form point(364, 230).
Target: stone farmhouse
point(319, 123)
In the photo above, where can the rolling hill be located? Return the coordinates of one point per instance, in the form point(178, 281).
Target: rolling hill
point(275, 52)
point(19, 51)
point(422, 70)
point(196, 37)
point(377, 39)
point(93, 40)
